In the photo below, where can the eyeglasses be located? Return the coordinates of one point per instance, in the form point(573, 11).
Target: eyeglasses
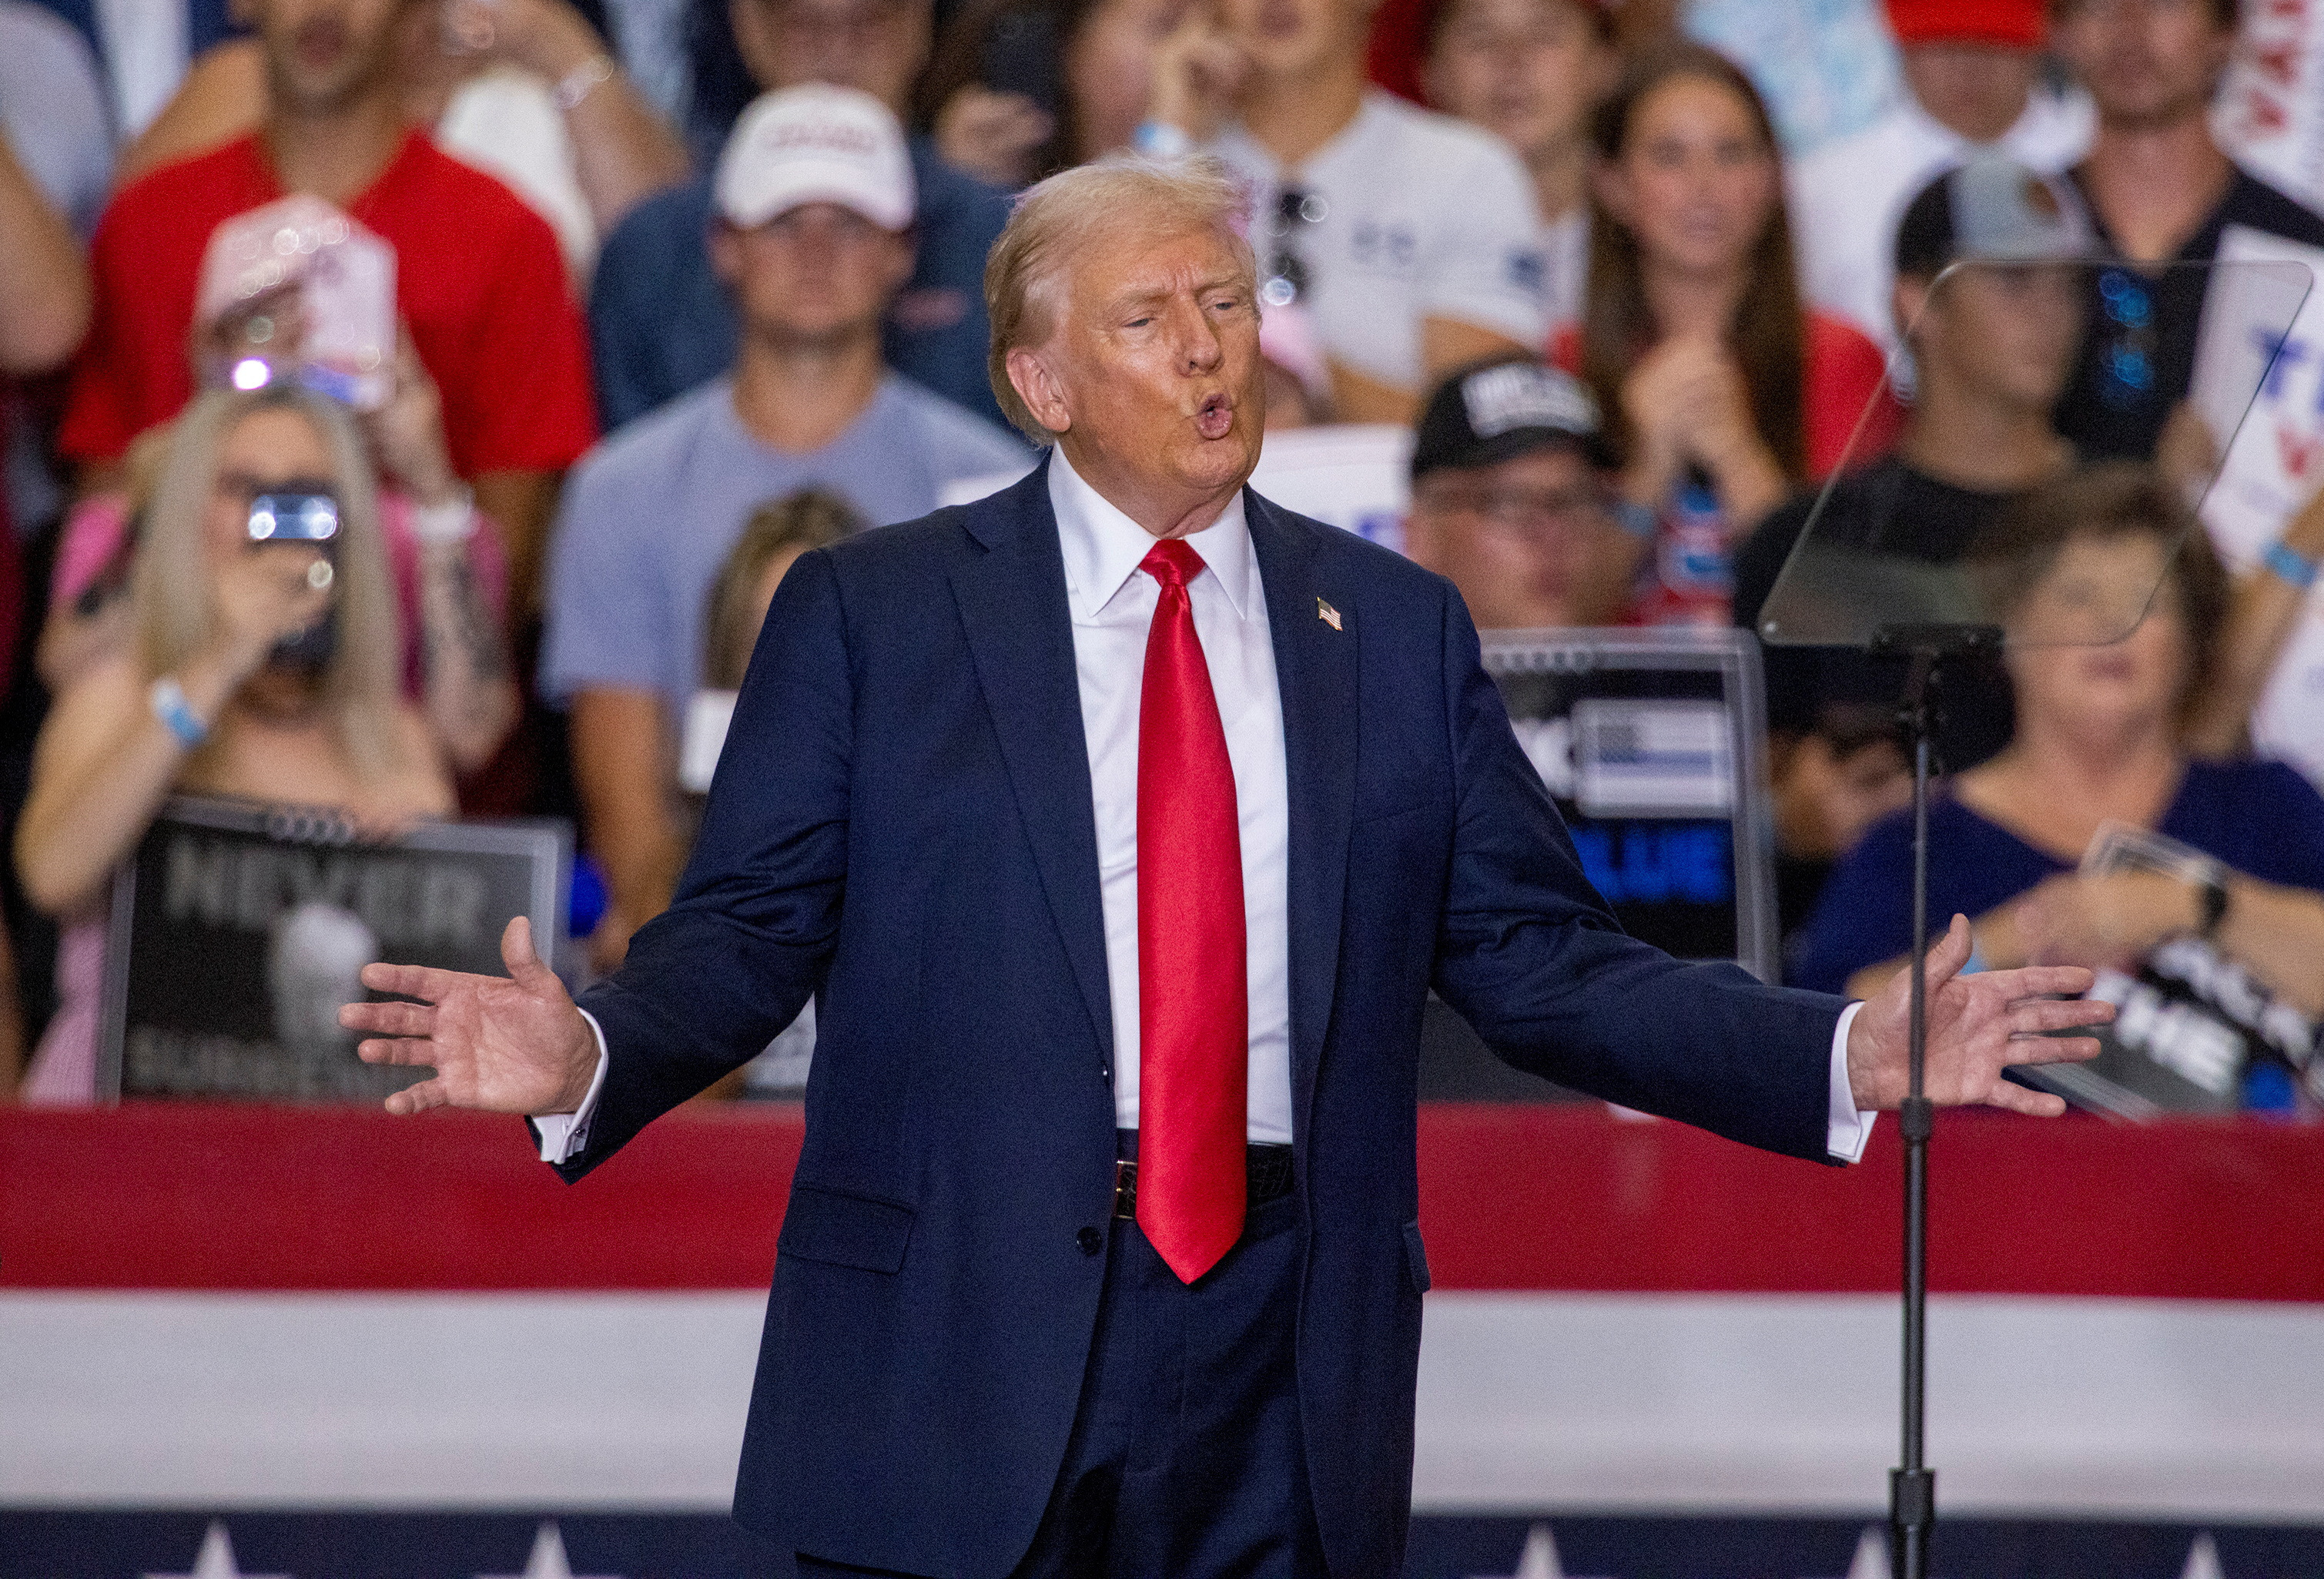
point(2126, 355)
point(1524, 511)
point(1287, 272)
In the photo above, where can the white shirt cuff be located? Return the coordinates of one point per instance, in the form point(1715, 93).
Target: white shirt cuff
point(563, 1134)
point(1846, 1131)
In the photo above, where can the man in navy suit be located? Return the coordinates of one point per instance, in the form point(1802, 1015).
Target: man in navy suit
point(1119, 824)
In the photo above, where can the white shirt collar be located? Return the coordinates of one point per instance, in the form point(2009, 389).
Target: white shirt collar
point(1103, 547)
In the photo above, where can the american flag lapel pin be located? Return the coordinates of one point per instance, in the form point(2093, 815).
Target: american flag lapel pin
point(1327, 613)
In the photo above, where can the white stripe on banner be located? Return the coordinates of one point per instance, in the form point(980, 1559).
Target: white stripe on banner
point(1697, 1403)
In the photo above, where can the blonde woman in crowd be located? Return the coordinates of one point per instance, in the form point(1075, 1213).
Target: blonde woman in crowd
point(263, 670)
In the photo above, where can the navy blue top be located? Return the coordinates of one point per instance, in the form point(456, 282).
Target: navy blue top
point(660, 322)
point(2261, 819)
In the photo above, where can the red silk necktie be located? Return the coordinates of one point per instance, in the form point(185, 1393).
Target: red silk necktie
point(1194, 1002)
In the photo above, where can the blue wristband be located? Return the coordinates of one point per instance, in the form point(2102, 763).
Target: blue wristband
point(170, 707)
point(2293, 568)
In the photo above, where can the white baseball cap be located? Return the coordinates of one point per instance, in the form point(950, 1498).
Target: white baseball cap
point(815, 143)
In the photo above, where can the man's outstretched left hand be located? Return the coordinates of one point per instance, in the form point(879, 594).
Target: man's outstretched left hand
point(1979, 1025)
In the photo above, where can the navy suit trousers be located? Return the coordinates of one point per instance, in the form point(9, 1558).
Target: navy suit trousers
point(1185, 1457)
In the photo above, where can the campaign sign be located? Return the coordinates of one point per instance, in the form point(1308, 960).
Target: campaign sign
point(2275, 462)
point(1356, 478)
point(238, 929)
point(1649, 742)
point(2269, 111)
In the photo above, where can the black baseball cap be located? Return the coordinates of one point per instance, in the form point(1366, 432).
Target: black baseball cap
point(1497, 411)
point(1991, 209)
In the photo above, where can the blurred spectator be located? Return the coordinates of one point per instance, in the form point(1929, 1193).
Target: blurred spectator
point(523, 88)
point(450, 577)
point(44, 307)
point(251, 674)
point(1532, 72)
point(2271, 599)
point(1723, 392)
point(1994, 346)
point(52, 107)
point(1020, 89)
point(2161, 191)
point(477, 275)
point(1412, 238)
point(773, 540)
point(1972, 83)
point(660, 322)
point(2099, 739)
point(144, 47)
point(776, 537)
point(1298, 372)
point(55, 162)
point(814, 203)
point(1511, 498)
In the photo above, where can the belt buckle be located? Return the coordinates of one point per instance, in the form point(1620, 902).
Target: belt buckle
point(1125, 1189)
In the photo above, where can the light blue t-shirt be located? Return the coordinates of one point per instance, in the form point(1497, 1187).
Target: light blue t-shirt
point(650, 514)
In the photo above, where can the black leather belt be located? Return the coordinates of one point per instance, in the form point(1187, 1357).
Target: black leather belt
point(1268, 1174)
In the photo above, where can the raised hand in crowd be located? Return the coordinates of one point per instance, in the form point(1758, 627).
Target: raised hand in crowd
point(990, 134)
point(1198, 73)
point(2269, 601)
point(1688, 405)
point(472, 700)
point(622, 151)
point(512, 1045)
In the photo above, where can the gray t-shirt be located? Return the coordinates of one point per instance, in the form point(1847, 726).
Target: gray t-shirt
point(651, 513)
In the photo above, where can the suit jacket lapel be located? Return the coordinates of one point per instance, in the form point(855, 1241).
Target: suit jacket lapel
point(1021, 637)
point(1316, 669)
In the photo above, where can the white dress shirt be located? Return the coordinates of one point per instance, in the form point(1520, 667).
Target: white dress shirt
point(1112, 607)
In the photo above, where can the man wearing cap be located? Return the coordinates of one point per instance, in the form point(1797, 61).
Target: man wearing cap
point(660, 324)
point(1118, 825)
point(813, 240)
point(1511, 500)
point(1992, 347)
point(1973, 78)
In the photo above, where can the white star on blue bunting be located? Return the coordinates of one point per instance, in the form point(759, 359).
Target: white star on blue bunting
point(215, 1559)
point(548, 1562)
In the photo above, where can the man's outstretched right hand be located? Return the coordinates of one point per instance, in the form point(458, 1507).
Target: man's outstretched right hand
point(512, 1044)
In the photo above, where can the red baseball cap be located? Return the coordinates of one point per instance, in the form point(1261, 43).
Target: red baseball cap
point(2022, 22)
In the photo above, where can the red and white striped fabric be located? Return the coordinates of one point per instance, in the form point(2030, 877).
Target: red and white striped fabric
point(269, 1308)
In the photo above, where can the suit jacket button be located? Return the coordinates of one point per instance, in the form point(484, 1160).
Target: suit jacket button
point(1091, 1241)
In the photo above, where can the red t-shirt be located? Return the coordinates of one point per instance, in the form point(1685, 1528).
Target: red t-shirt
point(477, 278)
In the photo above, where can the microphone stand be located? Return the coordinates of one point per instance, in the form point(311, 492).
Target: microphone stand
point(1913, 1485)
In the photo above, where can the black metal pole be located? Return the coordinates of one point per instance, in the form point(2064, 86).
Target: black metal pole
point(1913, 1486)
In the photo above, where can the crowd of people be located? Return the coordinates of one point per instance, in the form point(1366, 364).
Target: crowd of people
point(587, 317)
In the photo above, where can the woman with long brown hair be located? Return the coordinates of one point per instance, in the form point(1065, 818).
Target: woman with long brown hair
point(1723, 392)
point(263, 670)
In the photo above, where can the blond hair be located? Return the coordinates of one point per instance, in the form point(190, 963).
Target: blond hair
point(807, 519)
point(171, 586)
point(1054, 219)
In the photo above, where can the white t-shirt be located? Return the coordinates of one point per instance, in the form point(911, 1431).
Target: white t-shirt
point(1848, 195)
point(1422, 216)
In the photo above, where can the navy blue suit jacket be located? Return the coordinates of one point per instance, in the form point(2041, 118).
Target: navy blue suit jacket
point(901, 826)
